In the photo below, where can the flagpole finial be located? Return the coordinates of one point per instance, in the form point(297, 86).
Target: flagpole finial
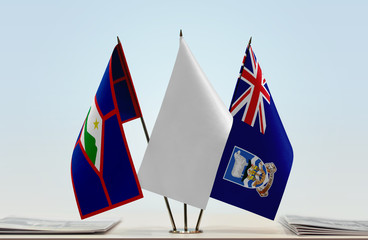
point(118, 39)
point(181, 33)
point(250, 41)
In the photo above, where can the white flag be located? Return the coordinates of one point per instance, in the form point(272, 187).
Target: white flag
point(188, 138)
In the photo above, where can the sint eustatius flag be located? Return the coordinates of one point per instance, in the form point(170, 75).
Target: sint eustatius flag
point(103, 174)
point(258, 156)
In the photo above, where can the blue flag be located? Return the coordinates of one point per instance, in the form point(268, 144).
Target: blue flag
point(102, 169)
point(257, 158)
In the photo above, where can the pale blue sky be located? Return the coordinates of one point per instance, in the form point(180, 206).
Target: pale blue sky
point(312, 53)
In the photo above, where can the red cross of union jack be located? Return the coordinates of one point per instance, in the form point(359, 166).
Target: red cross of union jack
point(254, 95)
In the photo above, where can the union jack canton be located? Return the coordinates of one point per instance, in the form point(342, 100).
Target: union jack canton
point(252, 90)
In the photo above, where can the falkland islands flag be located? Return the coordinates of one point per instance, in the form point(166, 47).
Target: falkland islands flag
point(257, 158)
point(102, 170)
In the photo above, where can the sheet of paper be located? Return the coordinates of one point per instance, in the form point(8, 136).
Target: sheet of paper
point(35, 225)
point(301, 225)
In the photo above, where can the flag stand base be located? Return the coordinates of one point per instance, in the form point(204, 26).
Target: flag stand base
point(186, 230)
point(182, 231)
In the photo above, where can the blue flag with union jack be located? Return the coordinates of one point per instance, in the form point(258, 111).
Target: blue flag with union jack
point(257, 158)
point(102, 169)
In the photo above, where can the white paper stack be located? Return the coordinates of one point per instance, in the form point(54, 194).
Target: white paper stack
point(321, 226)
point(10, 225)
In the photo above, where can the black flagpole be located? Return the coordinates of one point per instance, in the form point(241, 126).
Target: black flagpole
point(147, 138)
point(185, 205)
point(250, 41)
point(165, 198)
point(199, 220)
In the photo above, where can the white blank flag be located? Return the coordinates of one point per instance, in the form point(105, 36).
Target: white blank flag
point(188, 138)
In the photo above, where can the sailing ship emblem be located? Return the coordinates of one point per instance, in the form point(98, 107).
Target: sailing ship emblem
point(249, 171)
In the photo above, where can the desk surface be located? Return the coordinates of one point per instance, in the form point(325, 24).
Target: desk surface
point(214, 227)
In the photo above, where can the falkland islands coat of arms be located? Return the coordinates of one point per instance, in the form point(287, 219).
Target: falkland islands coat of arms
point(248, 170)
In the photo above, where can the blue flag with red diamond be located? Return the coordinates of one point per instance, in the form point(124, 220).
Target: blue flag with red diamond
point(257, 158)
point(103, 174)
